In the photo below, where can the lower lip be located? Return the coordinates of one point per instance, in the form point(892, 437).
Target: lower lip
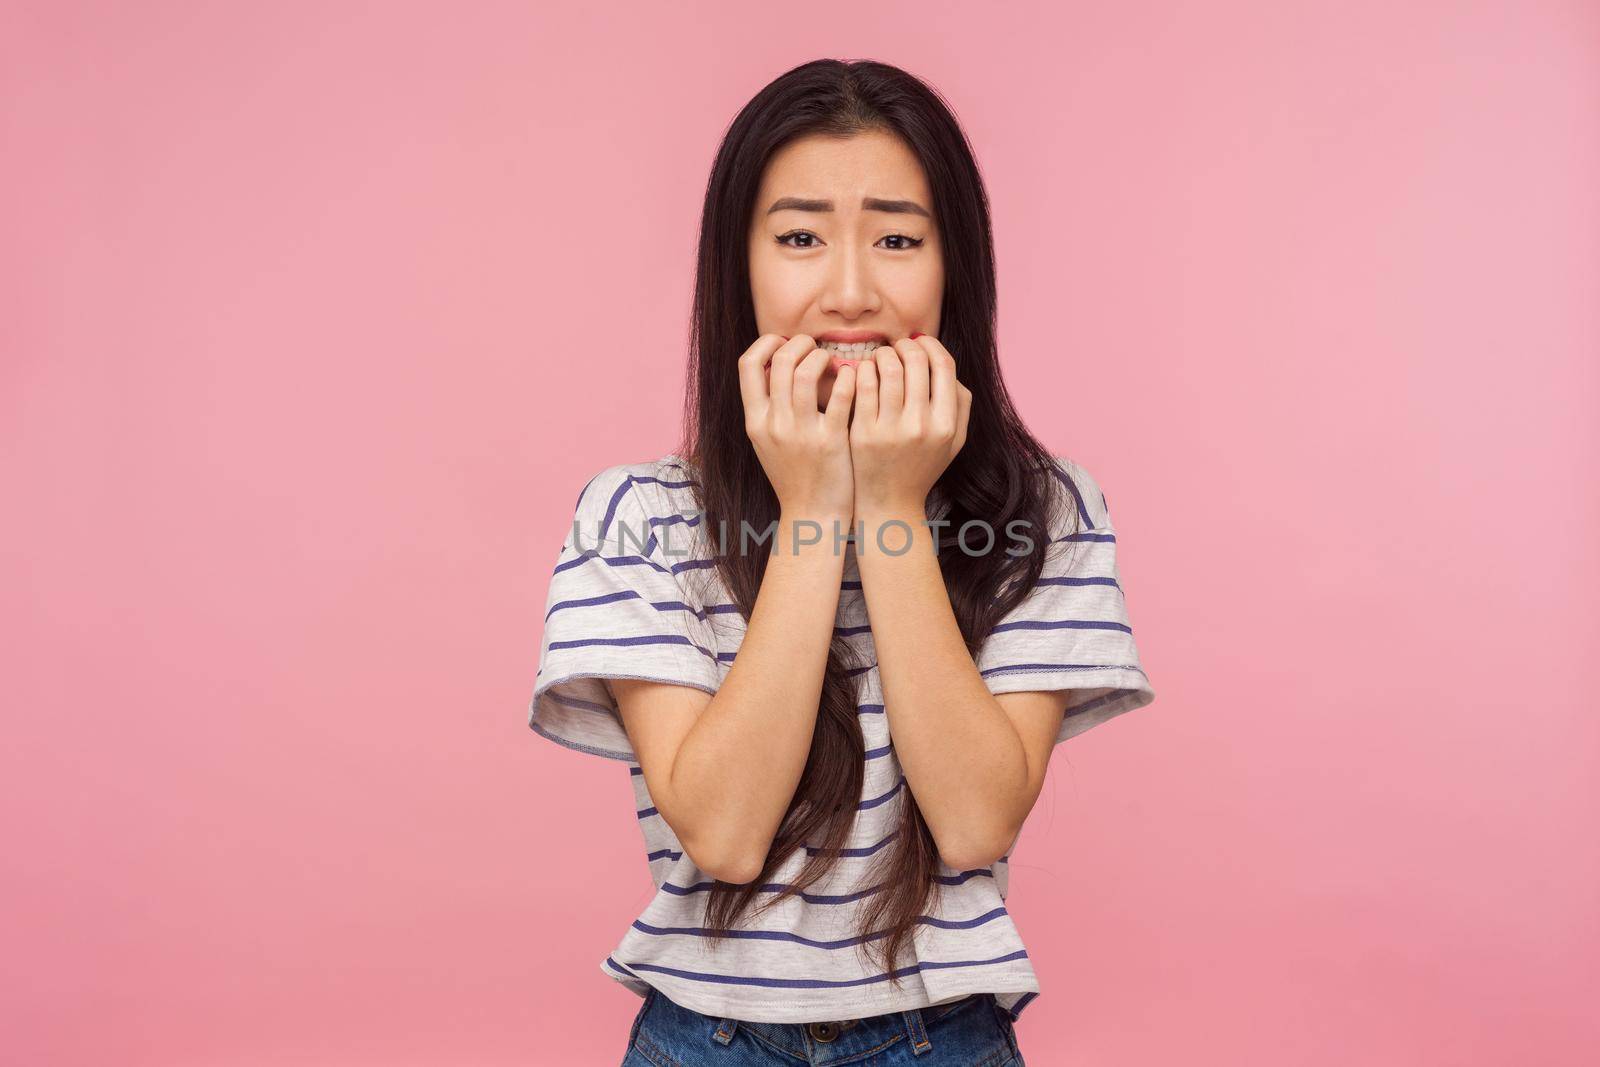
point(836, 361)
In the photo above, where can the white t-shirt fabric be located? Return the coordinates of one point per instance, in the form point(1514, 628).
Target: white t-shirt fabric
point(634, 595)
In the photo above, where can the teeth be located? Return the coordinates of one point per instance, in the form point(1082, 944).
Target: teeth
point(861, 347)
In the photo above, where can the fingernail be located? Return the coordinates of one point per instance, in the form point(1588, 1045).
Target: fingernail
point(781, 335)
point(915, 336)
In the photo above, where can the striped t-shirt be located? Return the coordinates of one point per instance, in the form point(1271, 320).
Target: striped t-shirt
point(661, 612)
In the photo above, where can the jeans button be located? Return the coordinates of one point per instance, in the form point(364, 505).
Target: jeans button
point(823, 1031)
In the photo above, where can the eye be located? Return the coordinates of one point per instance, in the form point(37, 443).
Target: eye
point(914, 242)
point(783, 239)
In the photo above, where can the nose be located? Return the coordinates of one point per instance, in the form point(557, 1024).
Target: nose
point(850, 288)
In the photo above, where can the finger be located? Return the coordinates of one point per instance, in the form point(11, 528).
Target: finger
point(866, 392)
point(942, 389)
point(837, 415)
point(784, 359)
point(963, 414)
point(806, 375)
point(753, 370)
point(914, 359)
point(892, 382)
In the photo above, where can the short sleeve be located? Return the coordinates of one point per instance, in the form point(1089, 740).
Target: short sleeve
point(1072, 631)
point(615, 609)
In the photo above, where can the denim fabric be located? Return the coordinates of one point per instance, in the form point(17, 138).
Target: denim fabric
point(972, 1032)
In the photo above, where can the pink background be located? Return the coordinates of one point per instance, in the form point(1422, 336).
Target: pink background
point(314, 321)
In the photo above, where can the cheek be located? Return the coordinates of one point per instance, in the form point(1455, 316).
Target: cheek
point(918, 298)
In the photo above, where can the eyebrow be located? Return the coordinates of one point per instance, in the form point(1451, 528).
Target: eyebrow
point(869, 203)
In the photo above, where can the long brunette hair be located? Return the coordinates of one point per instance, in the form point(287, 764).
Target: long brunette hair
point(995, 478)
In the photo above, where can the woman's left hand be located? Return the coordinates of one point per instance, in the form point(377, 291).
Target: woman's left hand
point(910, 420)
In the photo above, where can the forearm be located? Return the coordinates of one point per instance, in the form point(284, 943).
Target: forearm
point(737, 769)
point(962, 757)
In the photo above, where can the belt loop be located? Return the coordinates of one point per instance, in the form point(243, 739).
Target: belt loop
point(916, 1032)
point(725, 1030)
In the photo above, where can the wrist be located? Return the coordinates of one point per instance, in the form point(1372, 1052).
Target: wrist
point(812, 530)
point(890, 529)
point(884, 508)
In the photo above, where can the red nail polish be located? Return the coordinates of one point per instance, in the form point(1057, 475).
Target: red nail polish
point(915, 336)
point(781, 335)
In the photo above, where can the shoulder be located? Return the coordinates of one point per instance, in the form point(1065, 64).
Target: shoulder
point(1078, 491)
point(653, 487)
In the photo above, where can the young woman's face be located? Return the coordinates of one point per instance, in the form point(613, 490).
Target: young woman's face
point(852, 246)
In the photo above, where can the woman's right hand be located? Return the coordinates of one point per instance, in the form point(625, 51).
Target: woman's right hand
point(805, 452)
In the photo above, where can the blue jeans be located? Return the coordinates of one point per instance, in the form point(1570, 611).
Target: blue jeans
point(972, 1032)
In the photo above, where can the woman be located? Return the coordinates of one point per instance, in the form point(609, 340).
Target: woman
point(828, 805)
